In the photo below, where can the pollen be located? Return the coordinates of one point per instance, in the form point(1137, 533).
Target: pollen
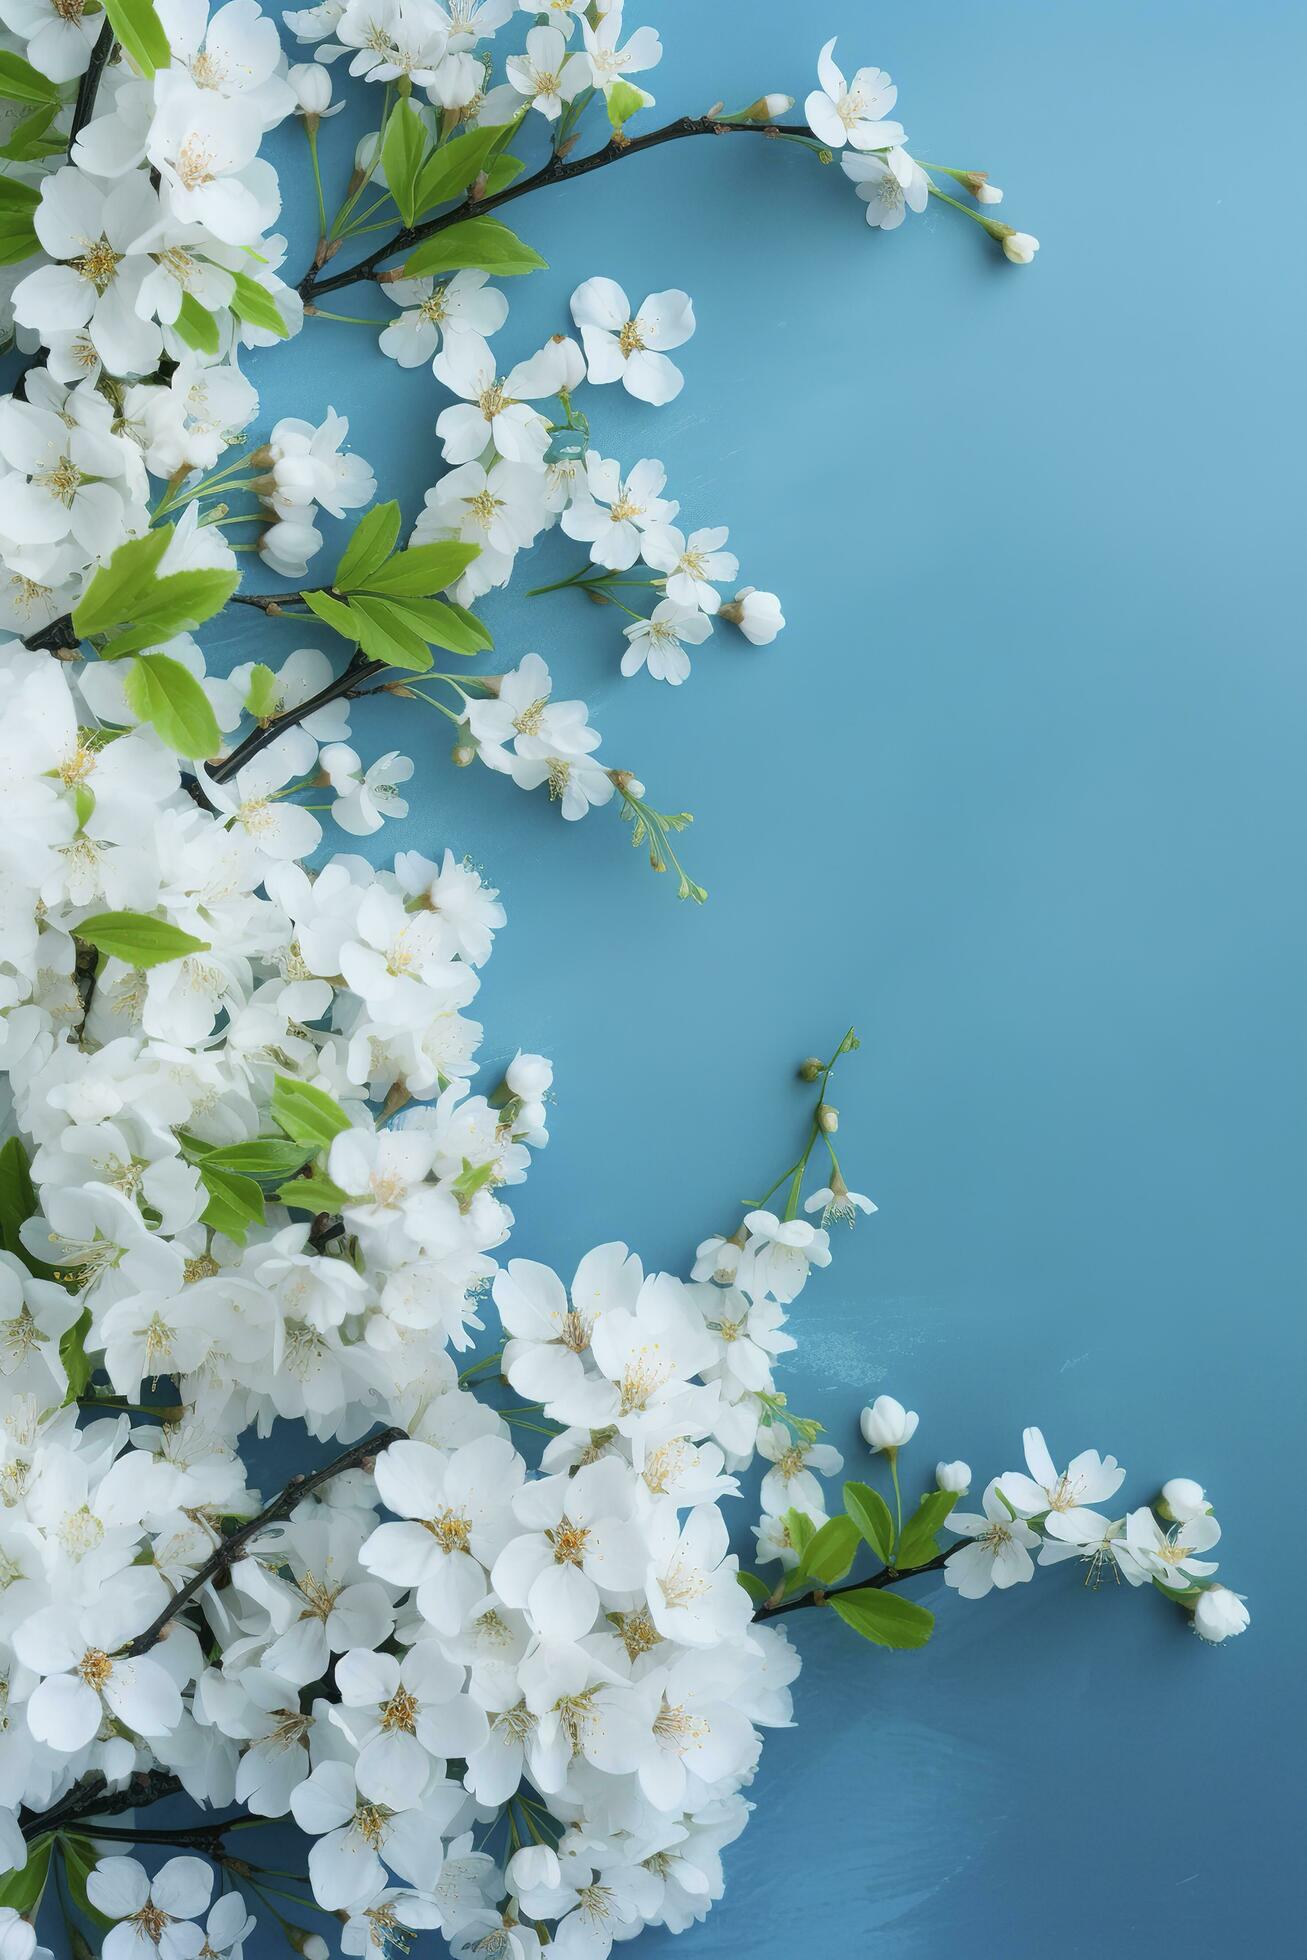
point(645, 1373)
point(629, 338)
point(80, 1532)
point(492, 400)
point(400, 1713)
point(151, 1922)
point(574, 1331)
point(528, 722)
point(98, 264)
point(569, 1542)
point(195, 162)
point(370, 1821)
point(638, 1633)
point(624, 510)
point(434, 309)
point(204, 1266)
point(678, 1730)
point(450, 1531)
point(484, 506)
point(560, 773)
point(95, 1667)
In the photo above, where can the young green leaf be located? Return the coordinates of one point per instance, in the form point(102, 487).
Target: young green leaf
point(27, 141)
point(800, 1529)
point(370, 545)
point(502, 173)
point(78, 1365)
point(885, 1619)
point(442, 625)
point(870, 1513)
point(403, 146)
point(307, 1114)
point(175, 604)
point(161, 691)
point(80, 1859)
point(21, 1891)
point(757, 1589)
point(139, 31)
point(917, 1542)
point(196, 325)
point(17, 1204)
point(334, 613)
point(384, 634)
point(449, 171)
point(121, 583)
point(480, 242)
point(831, 1550)
point(235, 1202)
point(262, 700)
point(20, 82)
point(255, 305)
point(313, 1194)
point(421, 570)
point(261, 1158)
point(137, 938)
point(624, 101)
point(18, 202)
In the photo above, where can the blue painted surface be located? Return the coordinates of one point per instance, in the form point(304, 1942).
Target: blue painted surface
point(1020, 793)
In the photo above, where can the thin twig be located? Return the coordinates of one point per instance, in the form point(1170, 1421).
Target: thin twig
point(92, 1799)
point(340, 688)
point(232, 1547)
point(891, 1576)
point(556, 171)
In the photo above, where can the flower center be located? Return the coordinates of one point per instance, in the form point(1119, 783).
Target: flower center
point(569, 1542)
point(528, 722)
point(95, 1667)
point(151, 1922)
point(450, 1531)
point(98, 264)
point(629, 339)
point(400, 1713)
point(484, 506)
point(623, 510)
point(195, 163)
point(492, 401)
point(63, 480)
point(644, 1375)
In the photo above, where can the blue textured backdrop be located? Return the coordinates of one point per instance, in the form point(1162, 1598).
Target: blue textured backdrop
point(1020, 793)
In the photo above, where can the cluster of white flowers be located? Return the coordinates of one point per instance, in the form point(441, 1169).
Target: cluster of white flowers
point(248, 1178)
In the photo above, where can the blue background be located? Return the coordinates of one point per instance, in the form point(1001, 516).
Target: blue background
point(1018, 792)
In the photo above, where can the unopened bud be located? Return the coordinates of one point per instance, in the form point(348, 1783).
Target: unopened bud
point(311, 1945)
point(828, 1118)
point(766, 109)
point(464, 752)
point(595, 596)
point(977, 182)
point(311, 84)
point(1018, 246)
point(811, 1069)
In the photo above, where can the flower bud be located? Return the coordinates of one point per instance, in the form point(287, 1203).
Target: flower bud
point(311, 1945)
point(757, 614)
point(464, 752)
point(954, 1476)
point(887, 1425)
point(1181, 1500)
point(1020, 247)
point(828, 1118)
point(980, 187)
point(1219, 1614)
point(810, 1070)
point(534, 1865)
point(528, 1076)
point(768, 108)
point(311, 84)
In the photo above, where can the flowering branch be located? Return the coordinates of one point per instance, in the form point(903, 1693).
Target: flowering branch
point(890, 1576)
point(556, 171)
point(360, 1457)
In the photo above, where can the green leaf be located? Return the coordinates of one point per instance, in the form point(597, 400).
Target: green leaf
point(27, 141)
point(885, 1619)
point(624, 101)
point(121, 582)
point(480, 242)
point(800, 1529)
point(18, 1203)
point(21, 1891)
point(18, 239)
point(386, 635)
point(371, 543)
point(255, 305)
point(235, 1202)
point(161, 691)
point(449, 170)
point(139, 31)
point(917, 1542)
point(403, 146)
point(307, 1114)
point(261, 1158)
point(442, 625)
point(831, 1551)
point(137, 938)
point(421, 570)
point(20, 82)
point(502, 173)
point(197, 326)
point(757, 1589)
point(261, 697)
point(80, 1860)
point(870, 1513)
point(313, 1194)
point(175, 604)
point(72, 1352)
point(333, 613)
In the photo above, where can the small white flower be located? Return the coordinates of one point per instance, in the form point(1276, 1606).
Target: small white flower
point(659, 642)
point(955, 1476)
point(1020, 247)
point(887, 1425)
point(999, 1554)
point(757, 614)
point(365, 797)
point(630, 348)
point(615, 511)
point(889, 186)
point(151, 1914)
point(1220, 1614)
point(841, 112)
point(547, 75)
point(1182, 1499)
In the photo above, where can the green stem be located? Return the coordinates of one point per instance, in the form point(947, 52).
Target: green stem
point(311, 131)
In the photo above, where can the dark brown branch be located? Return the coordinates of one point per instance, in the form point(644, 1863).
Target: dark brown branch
point(232, 1547)
point(340, 688)
point(88, 88)
point(556, 171)
point(91, 1799)
point(891, 1576)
